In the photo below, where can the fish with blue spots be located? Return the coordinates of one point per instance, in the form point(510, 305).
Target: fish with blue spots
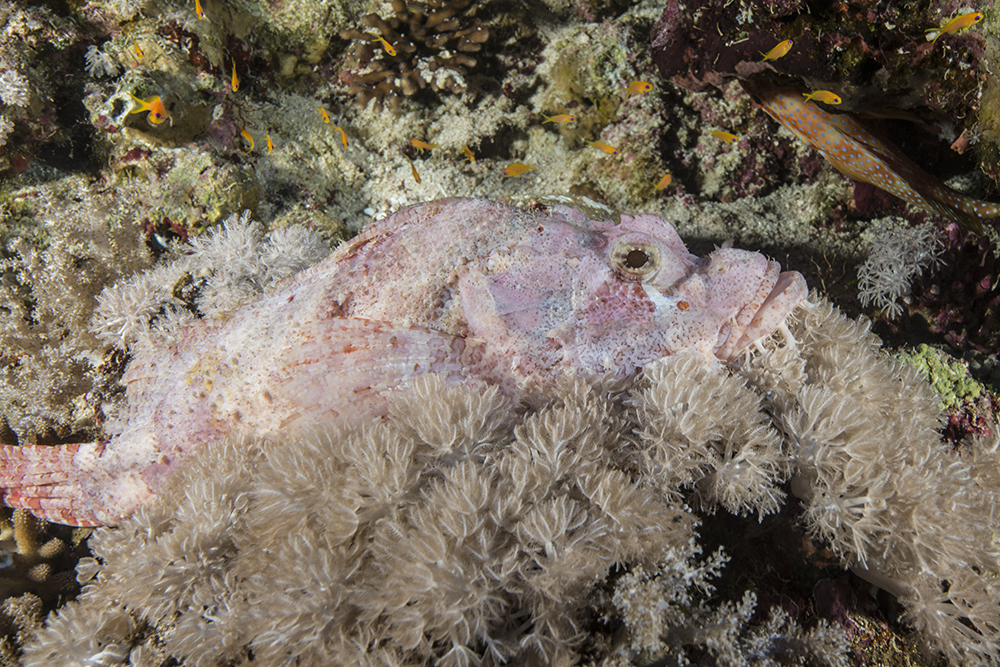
point(848, 144)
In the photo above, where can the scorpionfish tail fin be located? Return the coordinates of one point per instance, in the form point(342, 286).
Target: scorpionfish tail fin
point(45, 481)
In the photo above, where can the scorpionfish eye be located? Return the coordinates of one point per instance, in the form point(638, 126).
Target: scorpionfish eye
point(635, 259)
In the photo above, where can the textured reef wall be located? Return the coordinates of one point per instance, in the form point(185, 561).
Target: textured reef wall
point(130, 130)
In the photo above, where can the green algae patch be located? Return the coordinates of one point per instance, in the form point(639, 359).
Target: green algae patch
point(949, 377)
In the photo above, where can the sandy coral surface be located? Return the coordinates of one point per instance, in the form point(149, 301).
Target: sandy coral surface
point(296, 115)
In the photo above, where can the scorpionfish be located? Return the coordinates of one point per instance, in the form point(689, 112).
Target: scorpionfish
point(483, 293)
point(850, 146)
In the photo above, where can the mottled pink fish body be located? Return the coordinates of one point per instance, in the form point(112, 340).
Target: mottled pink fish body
point(480, 292)
point(849, 145)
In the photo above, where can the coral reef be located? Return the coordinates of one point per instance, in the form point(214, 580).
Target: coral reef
point(873, 54)
point(91, 195)
point(65, 237)
point(37, 557)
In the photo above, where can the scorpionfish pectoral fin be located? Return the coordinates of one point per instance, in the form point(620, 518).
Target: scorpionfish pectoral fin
point(346, 367)
point(46, 480)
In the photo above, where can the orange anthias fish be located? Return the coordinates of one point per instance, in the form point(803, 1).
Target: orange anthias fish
point(560, 118)
point(388, 49)
point(728, 137)
point(236, 80)
point(469, 154)
point(517, 169)
point(324, 114)
point(663, 182)
point(778, 51)
point(154, 105)
point(249, 139)
point(848, 145)
point(199, 12)
point(823, 96)
point(270, 144)
point(413, 168)
point(956, 24)
point(343, 135)
point(601, 146)
point(637, 88)
point(422, 145)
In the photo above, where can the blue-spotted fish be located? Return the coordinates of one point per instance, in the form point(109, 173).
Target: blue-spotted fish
point(848, 145)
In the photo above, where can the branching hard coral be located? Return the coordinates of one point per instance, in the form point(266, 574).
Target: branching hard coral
point(898, 255)
point(6, 127)
point(431, 45)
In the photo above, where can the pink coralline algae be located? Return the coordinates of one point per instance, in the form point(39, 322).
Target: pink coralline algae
point(963, 303)
point(480, 292)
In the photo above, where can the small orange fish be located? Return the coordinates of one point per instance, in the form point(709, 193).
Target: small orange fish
point(343, 135)
point(270, 144)
point(388, 49)
point(469, 154)
point(637, 88)
point(138, 51)
point(154, 105)
point(236, 80)
point(561, 118)
point(516, 169)
point(663, 182)
point(728, 137)
point(823, 96)
point(422, 145)
point(778, 51)
point(956, 24)
point(246, 135)
point(413, 168)
point(601, 146)
point(198, 11)
point(324, 114)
